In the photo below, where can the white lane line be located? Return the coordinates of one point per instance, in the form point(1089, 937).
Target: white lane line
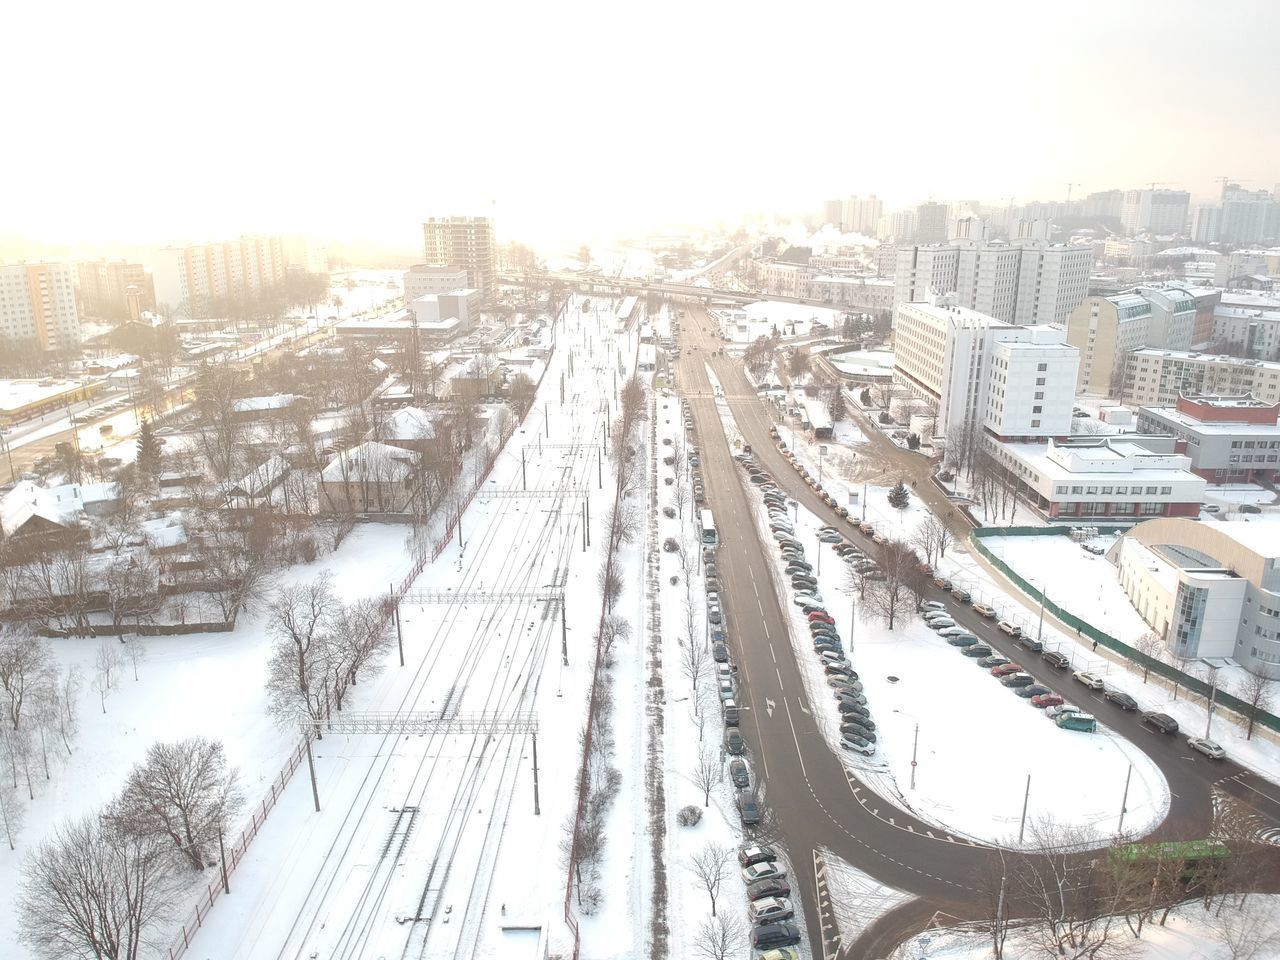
point(772, 654)
point(794, 738)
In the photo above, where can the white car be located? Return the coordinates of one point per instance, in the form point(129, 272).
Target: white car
point(1090, 680)
point(1053, 712)
point(933, 605)
point(937, 623)
point(1207, 747)
point(857, 745)
point(809, 596)
point(770, 910)
point(768, 870)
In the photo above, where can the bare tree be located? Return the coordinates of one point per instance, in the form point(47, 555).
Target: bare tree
point(1149, 645)
point(693, 661)
point(182, 793)
point(13, 812)
point(1256, 693)
point(933, 538)
point(66, 706)
point(1247, 930)
point(93, 893)
point(300, 623)
point(613, 629)
point(360, 630)
point(27, 667)
point(610, 583)
point(706, 774)
point(106, 666)
point(709, 865)
point(890, 598)
point(720, 937)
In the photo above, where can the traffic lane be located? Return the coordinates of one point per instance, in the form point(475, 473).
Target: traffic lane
point(784, 737)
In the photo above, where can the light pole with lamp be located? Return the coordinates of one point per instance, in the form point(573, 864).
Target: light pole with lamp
point(1213, 696)
point(915, 742)
point(13, 476)
point(822, 452)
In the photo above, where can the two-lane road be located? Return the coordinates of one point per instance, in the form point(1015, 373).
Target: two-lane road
point(812, 797)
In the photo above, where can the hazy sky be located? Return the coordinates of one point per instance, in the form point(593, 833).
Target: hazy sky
point(141, 122)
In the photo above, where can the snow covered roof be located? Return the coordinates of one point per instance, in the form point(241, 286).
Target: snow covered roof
point(410, 423)
point(369, 462)
point(279, 401)
point(61, 505)
point(261, 479)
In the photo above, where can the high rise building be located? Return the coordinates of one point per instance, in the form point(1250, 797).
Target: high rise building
point(1248, 216)
point(1023, 282)
point(1206, 222)
point(862, 215)
point(114, 290)
point(465, 242)
point(1012, 381)
point(199, 275)
point(931, 222)
point(1107, 330)
point(899, 225)
point(38, 302)
point(1161, 212)
point(832, 213)
point(1105, 203)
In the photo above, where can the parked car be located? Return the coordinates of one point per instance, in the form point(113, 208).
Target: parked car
point(850, 728)
point(739, 774)
point(983, 610)
point(1084, 722)
point(1012, 629)
point(995, 660)
point(768, 870)
point(733, 742)
point(933, 613)
point(770, 910)
point(841, 668)
point(1017, 679)
point(1090, 680)
point(942, 583)
point(961, 594)
point(1161, 721)
point(1207, 747)
point(775, 935)
point(1052, 712)
point(713, 614)
point(1035, 690)
point(1031, 643)
point(857, 744)
point(977, 650)
point(1055, 659)
point(964, 640)
point(773, 887)
point(933, 605)
point(937, 623)
point(720, 653)
point(1120, 699)
point(749, 810)
point(1046, 700)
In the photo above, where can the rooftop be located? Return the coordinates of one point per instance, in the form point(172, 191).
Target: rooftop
point(15, 394)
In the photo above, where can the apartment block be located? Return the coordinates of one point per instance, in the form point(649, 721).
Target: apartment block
point(424, 279)
point(862, 215)
point(1026, 281)
point(38, 302)
point(1159, 377)
point(199, 275)
point(466, 243)
point(114, 290)
point(1107, 329)
point(1162, 212)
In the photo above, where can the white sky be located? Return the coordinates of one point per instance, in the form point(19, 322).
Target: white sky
point(146, 122)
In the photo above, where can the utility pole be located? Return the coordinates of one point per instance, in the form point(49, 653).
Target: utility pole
point(564, 634)
point(395, 612)
point(537, 809)
point(1040, 631)
point(524, 480)
point(1124, 801)
point(311, 765)
point(915, 742)
point(1025, 800)
point(546, 422)
point(1213, 696)
point(222, 855)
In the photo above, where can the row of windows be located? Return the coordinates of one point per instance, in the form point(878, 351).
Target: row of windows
point(1118, 491)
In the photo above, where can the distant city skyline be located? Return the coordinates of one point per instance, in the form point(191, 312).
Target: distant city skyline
point(559, 127)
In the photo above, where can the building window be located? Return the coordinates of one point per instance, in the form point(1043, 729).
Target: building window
point(1037, 409)
point(1042, 367)
point(1039, 394)
point(1151, 491)
point(1035, 423)
point(1039, 381)
point(1106, 491)
point(1077, 490)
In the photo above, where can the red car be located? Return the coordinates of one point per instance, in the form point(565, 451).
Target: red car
point(1005, 669)
point(819, 616)
point(1047, 700)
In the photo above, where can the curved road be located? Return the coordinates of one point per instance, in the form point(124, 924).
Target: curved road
point(812, 799)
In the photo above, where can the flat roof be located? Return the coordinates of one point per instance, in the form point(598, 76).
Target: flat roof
point(16, 394)
point(1175, 416)
point(1036, 455)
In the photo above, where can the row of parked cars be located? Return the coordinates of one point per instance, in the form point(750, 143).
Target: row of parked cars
point(857, 729)
point(769, 906)
point(813, 484)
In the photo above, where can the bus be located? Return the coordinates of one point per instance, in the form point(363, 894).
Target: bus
point(708, 528)
point(1193, 859)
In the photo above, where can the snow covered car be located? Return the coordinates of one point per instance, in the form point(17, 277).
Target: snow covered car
point(857, 744)
point(768, 870)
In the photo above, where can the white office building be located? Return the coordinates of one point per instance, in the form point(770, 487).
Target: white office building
point(1014, 381)
point(425, 279)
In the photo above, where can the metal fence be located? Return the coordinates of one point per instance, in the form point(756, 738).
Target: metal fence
point(1087, 629)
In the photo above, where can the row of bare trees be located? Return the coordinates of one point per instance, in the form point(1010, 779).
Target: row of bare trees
point(99, 886)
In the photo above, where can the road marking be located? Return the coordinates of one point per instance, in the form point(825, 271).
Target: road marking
point(1257, 791)
point(768, 706)
point(779, 676)
point(796, 740)
point(772, 654)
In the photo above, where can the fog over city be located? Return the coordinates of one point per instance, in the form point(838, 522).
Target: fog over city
point(580, 481)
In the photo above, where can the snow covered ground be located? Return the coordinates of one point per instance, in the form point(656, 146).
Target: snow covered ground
point(203, 684)
point(1191, 933)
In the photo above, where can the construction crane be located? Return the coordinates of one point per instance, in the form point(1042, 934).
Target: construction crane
point(1069, 187)
point(1158, 183)
point(1223, 181)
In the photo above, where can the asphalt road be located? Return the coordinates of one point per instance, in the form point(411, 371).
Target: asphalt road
point(812, 800)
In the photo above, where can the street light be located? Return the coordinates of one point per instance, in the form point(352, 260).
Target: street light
point(1213, 695)
point(915, 743)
